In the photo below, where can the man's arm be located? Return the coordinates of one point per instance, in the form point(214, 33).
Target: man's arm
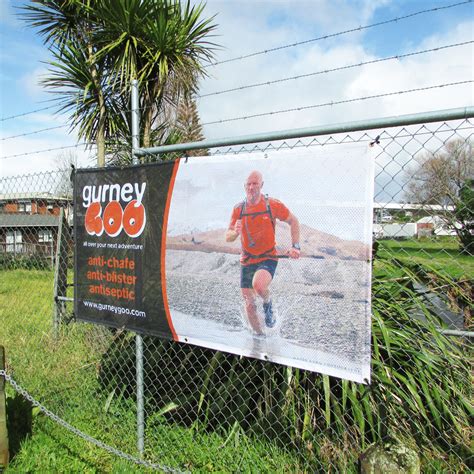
point(294, 224)
point(233, 231)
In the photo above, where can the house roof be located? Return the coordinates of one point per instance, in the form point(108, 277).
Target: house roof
point(33, 195)
point(412, 207)
point(28, 220)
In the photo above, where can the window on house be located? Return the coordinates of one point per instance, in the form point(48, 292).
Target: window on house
point(14, 241)
point(45, 236)
point(24, 206)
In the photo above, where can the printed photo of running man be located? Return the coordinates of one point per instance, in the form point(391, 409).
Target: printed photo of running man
point(254, 221)
point(268, 256)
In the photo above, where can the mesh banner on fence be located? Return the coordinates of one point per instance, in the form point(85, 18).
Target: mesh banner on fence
point(221, 265)
point(207, 410)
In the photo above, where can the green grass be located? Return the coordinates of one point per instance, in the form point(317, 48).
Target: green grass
point(62, 374)
point(441, 253)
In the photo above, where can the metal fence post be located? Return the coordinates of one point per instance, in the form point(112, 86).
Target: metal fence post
point(60, 274)
point(138, 338)
point(4, 453)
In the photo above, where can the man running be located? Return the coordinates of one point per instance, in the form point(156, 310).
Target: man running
point(254, 220)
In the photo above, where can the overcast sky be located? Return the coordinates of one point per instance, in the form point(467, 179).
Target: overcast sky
point(250, 26)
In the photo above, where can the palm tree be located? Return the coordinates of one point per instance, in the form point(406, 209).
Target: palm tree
point(100, 47)
point(67, 27)
point(165, 53)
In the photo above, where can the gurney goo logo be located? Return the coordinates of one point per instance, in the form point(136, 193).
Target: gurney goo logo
point(114, 217)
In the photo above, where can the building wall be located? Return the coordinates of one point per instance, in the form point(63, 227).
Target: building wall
point(10, 207)
point(38, 206)
point(30, 243)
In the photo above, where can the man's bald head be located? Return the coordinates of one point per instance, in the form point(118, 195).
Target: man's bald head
point(255, 175)
point(253, 186)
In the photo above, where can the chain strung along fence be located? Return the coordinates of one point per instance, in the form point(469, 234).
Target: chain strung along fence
point(211, 411)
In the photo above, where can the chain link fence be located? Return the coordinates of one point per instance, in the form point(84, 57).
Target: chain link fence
point(211, 411)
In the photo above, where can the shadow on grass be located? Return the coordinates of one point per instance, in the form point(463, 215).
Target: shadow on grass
point(19, 425)
point(19, 422)
point(74, 453)
point(422, 251)
point(189, 385)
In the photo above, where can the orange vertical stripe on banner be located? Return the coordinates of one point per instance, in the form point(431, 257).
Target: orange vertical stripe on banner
point(163, 249)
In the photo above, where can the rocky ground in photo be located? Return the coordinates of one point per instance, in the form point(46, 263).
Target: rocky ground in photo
point(314, 243)
point(321, 303)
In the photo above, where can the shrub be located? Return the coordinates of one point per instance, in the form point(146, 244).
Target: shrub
point(25, 262)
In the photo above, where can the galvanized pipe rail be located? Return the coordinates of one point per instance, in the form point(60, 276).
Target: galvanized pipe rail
point(357, 126)
point(4, 447)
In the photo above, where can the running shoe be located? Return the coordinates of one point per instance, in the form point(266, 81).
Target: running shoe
point(269, 316)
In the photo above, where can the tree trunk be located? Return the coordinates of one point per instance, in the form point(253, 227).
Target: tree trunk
point(100, 138)
point(147, 129)
point(147, 119)
point(466, 242)
point(153, 99)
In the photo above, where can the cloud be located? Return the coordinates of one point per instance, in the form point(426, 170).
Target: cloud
point(441, 67)
point(38, 162)
point(247, 26)
point(44, 118)
point(248, 29)
point(31, 83)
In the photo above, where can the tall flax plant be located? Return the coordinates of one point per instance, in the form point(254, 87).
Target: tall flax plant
point(421, 379)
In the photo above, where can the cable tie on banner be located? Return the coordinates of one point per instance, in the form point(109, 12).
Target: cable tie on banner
point(71, 319)
point(376, 141)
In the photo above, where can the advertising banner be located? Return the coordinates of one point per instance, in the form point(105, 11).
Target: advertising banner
point(120, 234)
point(266, 255)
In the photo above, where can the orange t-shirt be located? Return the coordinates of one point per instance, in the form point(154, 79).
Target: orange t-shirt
point(258, 233)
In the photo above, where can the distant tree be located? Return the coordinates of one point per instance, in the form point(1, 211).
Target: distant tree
point(65, 161)
point(445, 178)
point(188, 125)
point(465, 216)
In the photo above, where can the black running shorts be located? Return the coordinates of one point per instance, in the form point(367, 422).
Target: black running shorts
point(248, 271)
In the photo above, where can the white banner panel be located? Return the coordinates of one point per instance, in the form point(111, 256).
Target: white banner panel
point(268, 255)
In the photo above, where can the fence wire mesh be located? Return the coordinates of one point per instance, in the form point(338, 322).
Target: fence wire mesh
point(212, 411)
